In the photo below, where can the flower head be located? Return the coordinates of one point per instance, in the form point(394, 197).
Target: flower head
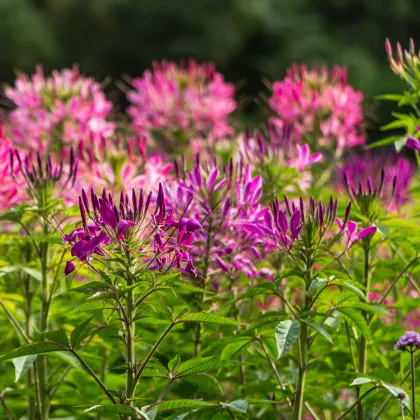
point(173, 103)
point(370, 179)
point(59, 112)
point(409, 341)
point(320, 106)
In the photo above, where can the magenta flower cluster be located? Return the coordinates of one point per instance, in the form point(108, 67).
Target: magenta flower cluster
point(60, 111)
point(320, 106)
point(173, 101)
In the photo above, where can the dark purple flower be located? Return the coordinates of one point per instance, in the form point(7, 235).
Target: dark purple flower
point(413, 143)
point(409, 341)
point(70, 267)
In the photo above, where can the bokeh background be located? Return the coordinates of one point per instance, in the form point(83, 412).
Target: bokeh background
point(251, 41)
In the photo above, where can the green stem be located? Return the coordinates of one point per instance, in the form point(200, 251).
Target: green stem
point(413, 384)
point(130, 331)
point(362, 351)
point(303, 365)
point(95, 377)
point(357, 403)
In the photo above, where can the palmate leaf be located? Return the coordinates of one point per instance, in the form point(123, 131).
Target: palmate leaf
point(22, 364)
point(209, 318)
point(287, 332)
point(34, 348)
point(318, 328)
point(118, 409)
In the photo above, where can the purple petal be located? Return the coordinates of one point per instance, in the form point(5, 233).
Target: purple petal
point(212, 178)
point(70, 267)
point(366, 232)
point(123, 225)
point(282, 221)
point(294, 224)
point(107, 215)
point(413, 143)
point(192, 225)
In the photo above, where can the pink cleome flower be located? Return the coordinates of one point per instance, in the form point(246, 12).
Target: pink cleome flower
point(174, 102)
point(321, 107)
point(12, 185)
point(58, 112)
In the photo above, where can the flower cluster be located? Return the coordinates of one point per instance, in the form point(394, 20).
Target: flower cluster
point(12, 185)
point(174, 103)
point(65, 110)
point(224, 200)
point(320, 106)
point(131, 227)
point(370, 177)
point(409, 341)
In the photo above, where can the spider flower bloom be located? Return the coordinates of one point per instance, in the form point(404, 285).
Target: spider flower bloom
point(12, 185)
point(224, 200)
point(321, 107)
point(136, 227)
point(173, 103)
point(409, 341)
point(62, 111)
point(371, 178)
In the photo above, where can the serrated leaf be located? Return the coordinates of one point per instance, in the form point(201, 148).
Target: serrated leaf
point(238, 405)
point(177, 404)
point(34, 348)
point(80, 333)
point(92, 287)
point(58, 336)
point(205, 383)
point(357, 319)
point(22, 364)
point(361, 381)
point(287, 332)
point(318, 328)
point(92, 306)
point(209, 318)
point(317, 284)
point(167, 278)
point(117, 409)
point(204, 364)
point(349, 285)
point(174, 363)
point(232, 349)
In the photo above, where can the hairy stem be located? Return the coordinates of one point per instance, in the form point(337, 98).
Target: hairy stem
point(130, 331)
point(413, 384)
point(362, 351)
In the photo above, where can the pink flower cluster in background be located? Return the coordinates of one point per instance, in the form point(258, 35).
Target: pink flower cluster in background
point(320, 106)
point(174, 103)
point(58, 112)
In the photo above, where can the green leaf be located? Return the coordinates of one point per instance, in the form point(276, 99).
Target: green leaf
point(396, 391)
point(205, 383)
point(204, 364)
point(185, 288)
point(168, 278)
point(22, 364)
point(238, 405)
point(92, 287)
point(209, 318)
point(34, 348)
point(287, 332)
point(36, 274)
point(357, 319)
point(317, 284)
point(174, 363)
point(117, 409)
point(177, 404)
point(318, 328)
point(232, 349)
point(80, 333)
point(58, 336)
point(93, 306)
point(361, 381)
point(350, 285)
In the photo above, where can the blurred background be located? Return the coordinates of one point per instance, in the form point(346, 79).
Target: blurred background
point(251, 41)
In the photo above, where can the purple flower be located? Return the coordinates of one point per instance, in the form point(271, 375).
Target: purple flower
point(410, 340)
point(70, 267)
point(350, 231)
point(413, 143)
